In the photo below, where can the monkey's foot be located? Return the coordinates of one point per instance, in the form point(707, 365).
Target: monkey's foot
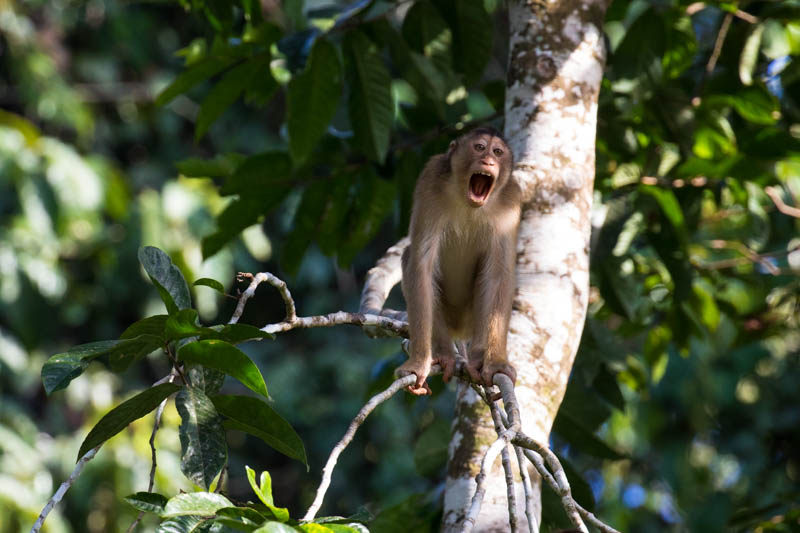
point(483, 373)
point(497, 367)
point(419, 369)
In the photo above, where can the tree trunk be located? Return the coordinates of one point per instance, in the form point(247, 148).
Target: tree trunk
point(556, 59)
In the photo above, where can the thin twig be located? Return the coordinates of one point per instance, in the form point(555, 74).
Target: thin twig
point(375, 401)
point(507, 468)
point(63, 488)
point(695, 7)
point(512, 410)
point(775, 196)
point(530, 513)
point(256, 280)
point(715, 53)
point(153, 463)
point(397, 328)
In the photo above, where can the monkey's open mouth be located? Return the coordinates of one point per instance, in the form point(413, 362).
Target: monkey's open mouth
point(480, 185)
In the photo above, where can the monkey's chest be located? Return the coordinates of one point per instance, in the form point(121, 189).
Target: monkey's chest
point(457, 270)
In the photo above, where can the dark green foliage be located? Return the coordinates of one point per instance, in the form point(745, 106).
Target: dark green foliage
point(313, 124)
point(119, 417)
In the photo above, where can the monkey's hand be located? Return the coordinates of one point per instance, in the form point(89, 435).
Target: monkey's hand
point(421, 369)
point(448, 363)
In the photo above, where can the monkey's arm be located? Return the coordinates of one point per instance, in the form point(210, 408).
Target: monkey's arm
point(418, 271)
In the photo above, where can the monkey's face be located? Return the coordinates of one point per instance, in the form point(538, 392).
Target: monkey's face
point(482, 164)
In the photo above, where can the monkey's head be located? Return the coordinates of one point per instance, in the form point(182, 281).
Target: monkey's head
point(481, 162)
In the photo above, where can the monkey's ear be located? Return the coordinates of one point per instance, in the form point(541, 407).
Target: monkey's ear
point(452, 147)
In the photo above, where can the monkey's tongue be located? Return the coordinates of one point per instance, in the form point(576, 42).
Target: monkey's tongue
point(479, 187)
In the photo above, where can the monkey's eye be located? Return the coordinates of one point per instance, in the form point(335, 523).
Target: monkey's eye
point(480, 147)
point(498, 152)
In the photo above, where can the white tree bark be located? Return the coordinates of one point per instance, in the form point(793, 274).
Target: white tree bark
point(556, 60)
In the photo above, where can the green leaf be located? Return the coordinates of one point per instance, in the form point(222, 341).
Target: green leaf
point(195, 503)
point(152, 325)
point(203, 448)
point(190, 77)
point(183, 524)
point(208, 282)
point(239, 215)
point(226, 91)
point(118, 418)
point(275, 527)
point(263, 490)
point(641, 51)
point(372, 202)
point(670, 207)
point(205, 379)
point(333, 215)
point(221, 166)
point(166, 277)
point(314, 528)
point(756, 105)
point(258, 175)
point(226, 358)
point(370, 103)
point(313, 98)
point(305, 224)
point(427, 33)
point(240, 518)
point(430, 450)
point(62, 368)
point(749, 57)
point(129, 351)
point(184, 324)
point(148, 502)
point(257, 418)
point(472, 36)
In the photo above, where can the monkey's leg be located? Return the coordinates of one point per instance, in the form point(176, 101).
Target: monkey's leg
point(443, 349)
point(494, 295)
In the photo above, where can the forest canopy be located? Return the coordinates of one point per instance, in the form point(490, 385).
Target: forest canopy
point(286, 137)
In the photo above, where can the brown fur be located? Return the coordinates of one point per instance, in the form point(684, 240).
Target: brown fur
point(458, 272)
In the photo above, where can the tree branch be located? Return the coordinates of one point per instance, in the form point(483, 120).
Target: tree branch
point(63, 488)
point(379, 283)
point(359, 419)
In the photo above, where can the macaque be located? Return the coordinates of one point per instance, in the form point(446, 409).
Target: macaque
point(458, 271)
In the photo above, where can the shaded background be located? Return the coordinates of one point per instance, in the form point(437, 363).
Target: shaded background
point(682, 412)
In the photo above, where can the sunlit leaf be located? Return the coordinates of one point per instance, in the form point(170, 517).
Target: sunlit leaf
point(208, 282)
point(195, 503)
point(263, 489)
point(257, 418)
point(225, 358)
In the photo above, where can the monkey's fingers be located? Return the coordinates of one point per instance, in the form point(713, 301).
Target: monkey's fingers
point(448, 364)
point(419, 390)
point(474, 370)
